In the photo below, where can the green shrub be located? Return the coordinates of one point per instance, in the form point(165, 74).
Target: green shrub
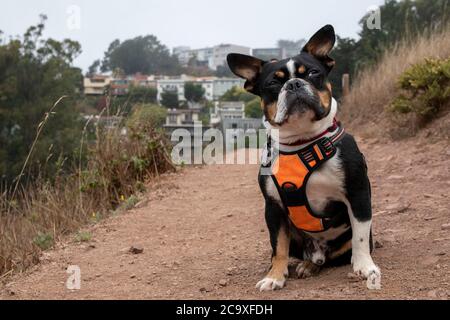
point(425, 88)
point(253, 108)
point(43, 240)
point(83, 236)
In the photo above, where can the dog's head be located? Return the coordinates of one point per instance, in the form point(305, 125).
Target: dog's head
point(292, 89)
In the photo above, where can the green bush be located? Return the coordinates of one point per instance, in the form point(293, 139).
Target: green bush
point(425, 89)
point(253, 108)
point(43, 240)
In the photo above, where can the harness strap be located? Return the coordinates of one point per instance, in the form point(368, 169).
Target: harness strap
point(291, 171)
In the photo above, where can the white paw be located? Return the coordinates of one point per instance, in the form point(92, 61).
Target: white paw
point(365, 268)
point(269, 284)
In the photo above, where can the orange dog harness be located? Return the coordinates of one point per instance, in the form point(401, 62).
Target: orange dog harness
point(290, 172)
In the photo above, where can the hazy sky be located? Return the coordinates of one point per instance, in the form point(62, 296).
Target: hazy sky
point(195, 23)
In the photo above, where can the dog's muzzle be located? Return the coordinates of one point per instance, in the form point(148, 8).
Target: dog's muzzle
point(295, 96)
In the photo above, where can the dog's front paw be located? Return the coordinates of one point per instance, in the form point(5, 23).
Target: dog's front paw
point(269, 284)
point(368, 270)
point(306, 269)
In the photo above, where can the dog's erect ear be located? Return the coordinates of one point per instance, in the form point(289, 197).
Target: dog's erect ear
point(321, 44)
point(246, 67)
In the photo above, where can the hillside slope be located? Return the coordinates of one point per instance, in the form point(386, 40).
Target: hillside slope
point(364, 109)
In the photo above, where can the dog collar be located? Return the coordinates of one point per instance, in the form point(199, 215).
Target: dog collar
point(301, 142)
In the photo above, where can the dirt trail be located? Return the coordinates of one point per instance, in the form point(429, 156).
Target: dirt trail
point(204, 237)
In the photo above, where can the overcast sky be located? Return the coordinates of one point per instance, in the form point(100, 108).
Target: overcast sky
point(194, 23)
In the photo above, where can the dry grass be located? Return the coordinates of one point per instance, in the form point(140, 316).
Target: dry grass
point(364, 109)
point(34, 217)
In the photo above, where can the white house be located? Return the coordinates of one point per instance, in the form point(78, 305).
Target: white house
point(214, 87)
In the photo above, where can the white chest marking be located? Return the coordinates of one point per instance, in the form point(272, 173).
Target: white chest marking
point(326, 184)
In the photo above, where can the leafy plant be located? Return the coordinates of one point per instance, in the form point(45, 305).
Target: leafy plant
point(43, 240)
point(425, 88)
point(83, 236)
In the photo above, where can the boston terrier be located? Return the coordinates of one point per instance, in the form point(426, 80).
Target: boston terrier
point(313, 176)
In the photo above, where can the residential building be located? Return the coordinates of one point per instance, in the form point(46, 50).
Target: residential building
point(214, 87)
point(175, 85)
point(221, 51)
point(210, 56)
point(182, 117)
point(222, 85)
point(227, 110)
point(183, 54)
point(268, 54)
point(96, 84)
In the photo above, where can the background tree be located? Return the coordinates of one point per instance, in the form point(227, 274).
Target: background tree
point(169, 99)
point(94, 68)
point(143, 54)
point(224, 71)
point(253, 109)
point(142, 95)
point(400, 21)
point(237, 94)
point(34, 73)
point(193, 92)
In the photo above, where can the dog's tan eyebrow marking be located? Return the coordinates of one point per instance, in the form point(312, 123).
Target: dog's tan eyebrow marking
point(301, 69)
point(280, 74)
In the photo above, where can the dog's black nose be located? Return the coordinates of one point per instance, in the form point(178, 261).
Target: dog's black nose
point(319, 262)
point(294, 85)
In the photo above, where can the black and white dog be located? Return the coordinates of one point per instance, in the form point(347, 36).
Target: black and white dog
point(314, 178)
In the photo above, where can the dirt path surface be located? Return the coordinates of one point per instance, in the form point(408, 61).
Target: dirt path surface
point(204, 237)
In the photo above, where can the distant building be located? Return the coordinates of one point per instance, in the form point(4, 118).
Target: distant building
point(227, 110)
point(222, 85)
point(174, 85)
point(268, 54)
point(212, 57)
point(183, 54)
point(182, 117)
point(231, 115)
point(214, 87)
point(96, 84)
point(221, 51)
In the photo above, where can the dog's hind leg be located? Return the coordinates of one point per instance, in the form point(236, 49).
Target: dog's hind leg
point(313, 259)
point(307, 269)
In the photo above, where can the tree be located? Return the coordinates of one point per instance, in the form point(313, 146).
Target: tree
point(145, 95)
point(401, 21)
point(148, 115)
point(237, 94)
point(34, 74)
point(253, 108)
point(144, 54)
point(94, 68)
point(224, 71)
point(193, 92)
point(346, 60)
point(169, 99)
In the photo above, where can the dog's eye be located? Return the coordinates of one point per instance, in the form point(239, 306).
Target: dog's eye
point(313, 73)
point(273, 83)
